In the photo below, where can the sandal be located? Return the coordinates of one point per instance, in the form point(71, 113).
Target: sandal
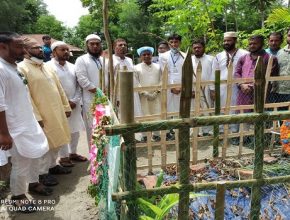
point(66, 162)
point(58, 170)
point(39, 189)
point(48, 180)
point(22, 204)
point(77, 157)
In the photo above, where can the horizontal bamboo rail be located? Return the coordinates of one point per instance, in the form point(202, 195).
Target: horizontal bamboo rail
point(195, 122)
point(196, 187)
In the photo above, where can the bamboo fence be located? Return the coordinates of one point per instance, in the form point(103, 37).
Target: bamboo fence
point(128, 128)
point(227, 109)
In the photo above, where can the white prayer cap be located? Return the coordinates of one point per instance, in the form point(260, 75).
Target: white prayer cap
point(93, 37)
point(143, 49)
point(57, 44)
point(231, 34)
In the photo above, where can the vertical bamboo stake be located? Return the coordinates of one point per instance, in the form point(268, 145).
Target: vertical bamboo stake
point(216, 129)
point(127, 116)
point(101, 79)
point(110, 48)
point(267, 76)
point(196, 111)
point(220, 201)
point(184, 135)
point(164, 115)
point(241, 133)
point(227, 108)
point(104, 77)
point(150, 152)
point(259, 138)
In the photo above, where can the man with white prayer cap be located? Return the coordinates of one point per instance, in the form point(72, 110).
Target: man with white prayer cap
point(19, 130)
point(88, 69)
point(222, 60)
point(51, 108)
point(66, 73)
point(148, 74)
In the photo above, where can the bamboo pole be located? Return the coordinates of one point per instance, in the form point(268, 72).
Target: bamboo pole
point(196, 111)
point(197, 187)
point(220, 201)
point(110, 48)
point(184, 135)
point(127, 116)
point(164, 115)
point(216, 130)
point(259, 138)
point(150, 152)
point(195, 122)
point(241, 129)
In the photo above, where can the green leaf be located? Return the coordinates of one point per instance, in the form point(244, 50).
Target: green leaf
point(146, 206)
point(143, 217)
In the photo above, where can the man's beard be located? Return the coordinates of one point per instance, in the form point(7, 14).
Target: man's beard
point(96, 54)
point(229, 47)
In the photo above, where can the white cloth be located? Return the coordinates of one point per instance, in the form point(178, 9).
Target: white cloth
point(25, 131)
point(220, 63)
point(48, 161)
point(119, 64)
point(88, 70)
point(70, 148)
point(72, 90)
point(149, 75)
point(24, 170)
point(174, 63)
point(3, 158)
point(206, 65)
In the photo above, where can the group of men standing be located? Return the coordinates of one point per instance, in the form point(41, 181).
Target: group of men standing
point(40, 103)
point(40, 116)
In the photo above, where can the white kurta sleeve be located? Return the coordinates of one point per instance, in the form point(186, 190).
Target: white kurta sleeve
point(77, 96)
point(82, 74)
point(3, 106)
point(215, 66)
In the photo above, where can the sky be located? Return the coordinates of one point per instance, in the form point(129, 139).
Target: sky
point(67, 11)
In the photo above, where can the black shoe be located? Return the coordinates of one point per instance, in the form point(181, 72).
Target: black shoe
point(170, 136)
point(144, 139)
point(59, 170)
point(48, 180)
point(235, 141)
point(156, 138)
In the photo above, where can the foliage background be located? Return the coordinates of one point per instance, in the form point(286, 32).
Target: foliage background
point(147, 22)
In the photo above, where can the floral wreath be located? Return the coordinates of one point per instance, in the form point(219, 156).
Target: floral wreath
point(285, 136)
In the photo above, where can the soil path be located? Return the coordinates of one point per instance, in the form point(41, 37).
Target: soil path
point(70, 200)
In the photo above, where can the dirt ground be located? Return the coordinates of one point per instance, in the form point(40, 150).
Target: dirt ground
point(70, 200)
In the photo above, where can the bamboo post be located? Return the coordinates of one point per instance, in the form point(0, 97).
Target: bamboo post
point(220, 201)
point(216, 129)
point(227, 108)
point(164, 115)
point(101, 79)
point(150, 153)
point(127, 117)
point(259, 138)
point(110, 49)
point(241, 133)
point(196, 111)
point(184, 135)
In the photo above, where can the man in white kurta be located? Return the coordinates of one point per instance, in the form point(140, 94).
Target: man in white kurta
point(121, 62)
point(205, 60)
point(231, 54)
point(174, 59)
point(88, 68)
point(51, 108)
point(148, 74)
point(66, 73)
point(19, 128)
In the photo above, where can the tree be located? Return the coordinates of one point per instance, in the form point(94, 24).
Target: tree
point(48, 24)
point(261, 6)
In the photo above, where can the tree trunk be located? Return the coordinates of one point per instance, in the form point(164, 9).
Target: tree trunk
point(236, 15)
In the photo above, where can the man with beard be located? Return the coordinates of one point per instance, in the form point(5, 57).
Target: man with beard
point(222, 60)
point(121, 62)
point(67, 77)
point(51, 108)
point(88, 68)
point(149, 74)
point(246, 69)
point(275, 41)
point(199, 56)
point(19, 129)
